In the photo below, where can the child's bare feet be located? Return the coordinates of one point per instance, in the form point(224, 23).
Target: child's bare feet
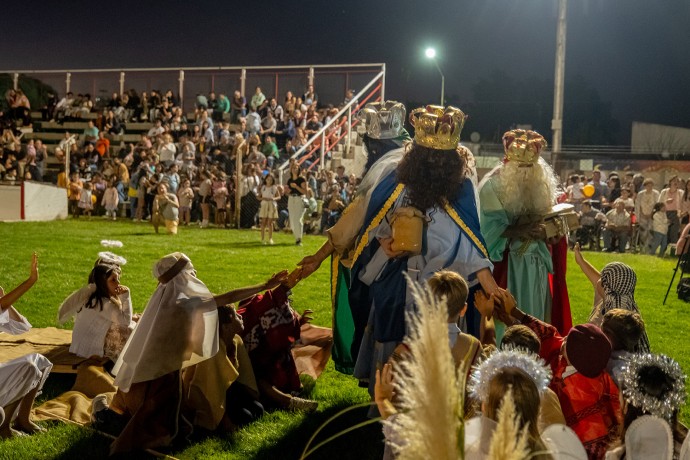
point(28, 427)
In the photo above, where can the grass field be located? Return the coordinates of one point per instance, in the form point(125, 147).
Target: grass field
point(227, 259)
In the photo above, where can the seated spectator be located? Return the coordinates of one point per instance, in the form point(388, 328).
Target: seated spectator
point(21, 378)
point(238, 107)
point(591, 221)
point(253, 122)
point(178, 329)
point(310, 97)
point(270, 151)
point(258, 100)
point(201, 102)
point(268, 124)
point(313, 125)
point(275, 109)
point(222, 108)
point(103, 145)
point(333, 207)
point(255, 156)
point(618, 226)
point(90, 134)
point(103, 314)
point(588, 395)
point(614, 287)
point(64, 107)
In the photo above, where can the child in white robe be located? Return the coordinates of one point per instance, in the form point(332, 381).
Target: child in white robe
point(22, 378)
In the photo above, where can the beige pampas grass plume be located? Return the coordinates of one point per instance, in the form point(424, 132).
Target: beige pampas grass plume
point(509, 442)
point(429, 424)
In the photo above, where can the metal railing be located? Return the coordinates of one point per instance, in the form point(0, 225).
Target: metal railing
point(190, 80)
point(361, 98)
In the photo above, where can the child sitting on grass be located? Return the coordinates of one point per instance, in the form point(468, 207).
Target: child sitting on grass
point(22, 378)
point(271, 328)
point(588, 395)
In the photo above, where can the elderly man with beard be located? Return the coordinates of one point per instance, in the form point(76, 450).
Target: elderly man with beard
point(514, 200)
point(420, 217)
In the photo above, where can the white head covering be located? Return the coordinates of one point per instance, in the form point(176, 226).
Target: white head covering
point(179, 327)
point(685, 449)
point(563, 443)
point(649, 438)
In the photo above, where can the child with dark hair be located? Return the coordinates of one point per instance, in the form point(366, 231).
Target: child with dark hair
point(588, 396)
point(624, 330)
point(523, 338)
point(653, 390)
point(103, 311)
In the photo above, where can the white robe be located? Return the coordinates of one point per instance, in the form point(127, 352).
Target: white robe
point(20, 375)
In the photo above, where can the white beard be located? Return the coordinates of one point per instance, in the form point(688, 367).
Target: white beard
point(527, 190)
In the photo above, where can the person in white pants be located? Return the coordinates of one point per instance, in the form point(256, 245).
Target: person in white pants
point(297, 186)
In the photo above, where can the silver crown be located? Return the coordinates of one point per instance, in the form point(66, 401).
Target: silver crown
point(382, 120)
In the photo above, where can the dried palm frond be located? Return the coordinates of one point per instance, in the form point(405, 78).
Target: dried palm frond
point(429, 389)
point(509, 442)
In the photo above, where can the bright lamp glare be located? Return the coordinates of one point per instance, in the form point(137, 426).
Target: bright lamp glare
point(430, 53)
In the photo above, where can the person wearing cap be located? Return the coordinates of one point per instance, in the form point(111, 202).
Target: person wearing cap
point(588, 395)
point(515, 198)
point(618, 225)
point(420, 217)
point(178, 329)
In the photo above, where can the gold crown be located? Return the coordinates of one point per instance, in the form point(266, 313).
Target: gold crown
point(523, 146)
point(437, 127)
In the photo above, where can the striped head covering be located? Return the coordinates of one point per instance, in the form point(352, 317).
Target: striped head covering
point(618, 281)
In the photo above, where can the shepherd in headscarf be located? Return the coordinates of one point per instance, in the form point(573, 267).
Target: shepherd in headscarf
point(178, 329)
point(614, 287)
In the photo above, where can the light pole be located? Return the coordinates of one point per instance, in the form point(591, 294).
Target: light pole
point(431, 54)
point(559, 77)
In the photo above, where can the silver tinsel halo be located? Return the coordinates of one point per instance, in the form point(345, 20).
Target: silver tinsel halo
point(670, 402)
point(111, 258)
point(531, 364)
point(111, 243)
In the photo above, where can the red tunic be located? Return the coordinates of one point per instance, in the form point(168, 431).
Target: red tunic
point(271, 327)
point(590, 406)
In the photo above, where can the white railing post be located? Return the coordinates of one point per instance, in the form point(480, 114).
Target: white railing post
point(310, 79)
point(122, 83)
point(68, 82)
point(15, 81)
point(349, 131)
point(180, 88)
point(383, 83)
point(323, 150)
point(243, 82)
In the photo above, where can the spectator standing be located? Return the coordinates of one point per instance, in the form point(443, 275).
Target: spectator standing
point(644, 206)
point(672, 197)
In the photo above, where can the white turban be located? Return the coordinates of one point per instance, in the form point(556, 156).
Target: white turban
point(179, 327)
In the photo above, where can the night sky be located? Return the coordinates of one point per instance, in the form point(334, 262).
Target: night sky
point(636, 53)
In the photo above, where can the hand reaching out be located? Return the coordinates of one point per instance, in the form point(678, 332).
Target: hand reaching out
point(309, 265)
point(383, 389)
point(306, 317)
point(484, 303)
point(507, 301)
point(578, 255)
point(276, 279)
point(33, 276)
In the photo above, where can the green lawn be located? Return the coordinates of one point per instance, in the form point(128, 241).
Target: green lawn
point(227, 259)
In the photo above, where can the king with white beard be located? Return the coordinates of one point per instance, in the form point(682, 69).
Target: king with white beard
point(514, 199)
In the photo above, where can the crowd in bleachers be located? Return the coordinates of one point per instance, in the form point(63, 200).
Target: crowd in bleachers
point(628, 213)
point(173, 147)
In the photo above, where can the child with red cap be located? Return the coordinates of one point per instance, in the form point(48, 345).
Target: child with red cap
point(588, 395)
